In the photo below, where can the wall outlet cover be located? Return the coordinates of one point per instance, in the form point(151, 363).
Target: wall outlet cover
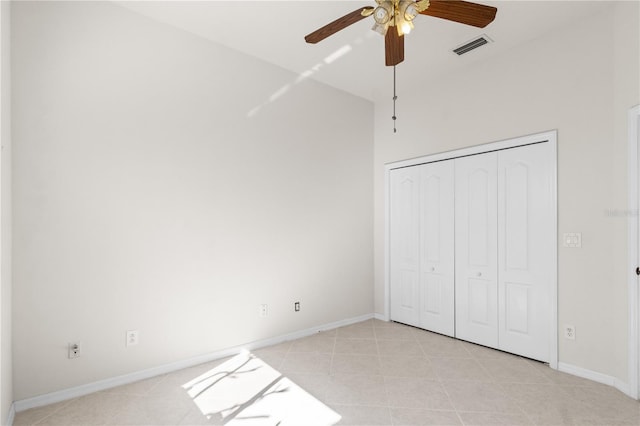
point(263, 310)
point(133, 337)
point(572, 239)
point(74, 350)
point(569, 332)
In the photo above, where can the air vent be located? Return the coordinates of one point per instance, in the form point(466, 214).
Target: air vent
point(473, 44)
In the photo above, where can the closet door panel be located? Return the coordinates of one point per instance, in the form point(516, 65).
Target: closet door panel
point(525, 241)
point(404, 245)
point(476, 296)
point(437, 247)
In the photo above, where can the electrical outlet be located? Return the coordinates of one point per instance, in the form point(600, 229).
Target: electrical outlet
point(263, 310)
point(296, 306)
point(572, 239)
point(133, 337)
point(569, 332)
point(75, 350)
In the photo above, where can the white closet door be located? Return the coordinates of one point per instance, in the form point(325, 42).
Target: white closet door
point(526, 239)
point(404, 245)
point(476, 249)
point(436, 247)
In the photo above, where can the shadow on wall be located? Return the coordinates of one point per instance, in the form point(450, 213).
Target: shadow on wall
point(246, 390)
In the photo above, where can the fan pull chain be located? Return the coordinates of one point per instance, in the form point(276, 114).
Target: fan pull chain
point(395, 97)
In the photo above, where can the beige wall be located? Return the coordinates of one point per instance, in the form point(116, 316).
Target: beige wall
point(147, 197)
point(580, 80)
point(6, 374)
point(626, 94)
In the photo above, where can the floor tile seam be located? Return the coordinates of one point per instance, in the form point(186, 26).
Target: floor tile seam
point(432, 357)
point(466, 380)
point(487, 412)
point(355, 353)
point(494, 412)
point(333, 374)
point(386, 394)
point(509, 381)
point(348, 404)
point(186, 414)
point(465, 348)
point(115, 413)
point(529, 417)
point(314, 352)
point(333, 354)
point(40, 420)
point(460, 418)
point(69, 403)
point(503, 393)
point(444, 389)
point(162, 377)
point(356, 338)
point(413, 407)
point(520, 411)
point(565, 391)
point(399, 339)
point(422, 379)
point(286, 353)
point(411, 339)
point(486, 371)
point(433, 378)
point(391, 422)
point(424, 353)
point(532, 372)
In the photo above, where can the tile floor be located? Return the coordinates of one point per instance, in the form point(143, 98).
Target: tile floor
point(369, 373)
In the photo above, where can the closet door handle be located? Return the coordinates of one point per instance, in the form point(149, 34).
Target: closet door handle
point(479, 274)
point(638, 270)
point(433, 269)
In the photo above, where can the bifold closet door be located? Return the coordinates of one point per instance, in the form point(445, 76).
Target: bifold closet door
point(436, 286)
point(476, 251)
point(404, 244)
point(526, 242)
point(422, 246)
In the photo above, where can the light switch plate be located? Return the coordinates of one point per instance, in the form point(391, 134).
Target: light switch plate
point(572, 239)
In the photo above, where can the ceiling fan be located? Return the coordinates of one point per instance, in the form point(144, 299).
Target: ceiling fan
point(400, 15)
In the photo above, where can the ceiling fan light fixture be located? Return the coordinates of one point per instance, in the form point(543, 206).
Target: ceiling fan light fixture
point(405, 28)
point(382, 14)
point(405, 13)
point(380, 28)
point(410, 11)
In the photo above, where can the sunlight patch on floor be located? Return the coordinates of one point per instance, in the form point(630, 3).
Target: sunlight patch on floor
point(246, 391)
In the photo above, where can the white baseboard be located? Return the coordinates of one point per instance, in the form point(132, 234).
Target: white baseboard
point(380, 317)
point(77, 391)
point(596, 377)
point(11, 415)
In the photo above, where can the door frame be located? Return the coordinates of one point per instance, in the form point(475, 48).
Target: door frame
point(633, 156)
point(547, 137)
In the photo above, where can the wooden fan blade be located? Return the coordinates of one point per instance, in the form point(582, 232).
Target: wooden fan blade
point(477, 15)
point(337, 25)
point(393, 47)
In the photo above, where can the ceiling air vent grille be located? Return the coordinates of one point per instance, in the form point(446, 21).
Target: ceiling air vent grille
point(473, 44)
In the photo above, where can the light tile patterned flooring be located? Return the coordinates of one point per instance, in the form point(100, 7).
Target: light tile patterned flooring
point(374, 373)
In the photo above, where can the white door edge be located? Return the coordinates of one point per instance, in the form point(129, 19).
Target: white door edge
point(387, 248)
point(548, 136)
point(634, 253)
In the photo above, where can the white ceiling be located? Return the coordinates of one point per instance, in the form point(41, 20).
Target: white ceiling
point(353, 59)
